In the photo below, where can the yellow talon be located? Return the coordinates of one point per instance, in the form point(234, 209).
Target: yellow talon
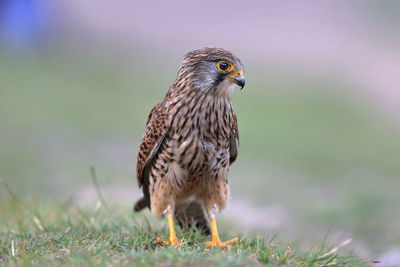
point(219, 243)
point(215, 241)
point(173, 240)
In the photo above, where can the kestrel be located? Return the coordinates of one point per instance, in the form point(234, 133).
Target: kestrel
point(191, 140)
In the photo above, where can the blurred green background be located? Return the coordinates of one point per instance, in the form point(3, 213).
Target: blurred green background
point(319, 127)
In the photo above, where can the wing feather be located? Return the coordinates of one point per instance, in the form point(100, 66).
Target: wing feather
point(157, 127)
point(234, 141)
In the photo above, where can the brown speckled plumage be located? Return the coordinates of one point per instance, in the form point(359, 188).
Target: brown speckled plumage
point(191, 139)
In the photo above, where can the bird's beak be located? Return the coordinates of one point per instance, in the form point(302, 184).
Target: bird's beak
point(238, 78)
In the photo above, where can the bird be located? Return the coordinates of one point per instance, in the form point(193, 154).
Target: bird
point(191, 140)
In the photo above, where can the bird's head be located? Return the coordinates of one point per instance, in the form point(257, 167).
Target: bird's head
point(211, 70)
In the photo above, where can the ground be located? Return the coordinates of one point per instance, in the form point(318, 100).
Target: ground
point(48, 235)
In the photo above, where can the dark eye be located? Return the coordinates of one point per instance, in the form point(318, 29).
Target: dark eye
point(223, 65)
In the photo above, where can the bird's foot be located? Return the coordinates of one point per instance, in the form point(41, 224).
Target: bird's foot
point(172, 242)
point(219, 244)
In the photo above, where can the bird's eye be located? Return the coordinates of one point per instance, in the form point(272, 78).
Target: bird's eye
point(224, 66)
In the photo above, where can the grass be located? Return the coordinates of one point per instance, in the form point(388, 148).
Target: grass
point(34, 233)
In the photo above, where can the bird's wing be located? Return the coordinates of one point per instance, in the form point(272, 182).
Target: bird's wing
point(157, 127)
point(234, 141)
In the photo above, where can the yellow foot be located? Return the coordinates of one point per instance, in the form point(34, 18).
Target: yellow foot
point(171, 242)
point(218, 243)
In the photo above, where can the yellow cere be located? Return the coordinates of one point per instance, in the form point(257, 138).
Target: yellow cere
point(237, 74)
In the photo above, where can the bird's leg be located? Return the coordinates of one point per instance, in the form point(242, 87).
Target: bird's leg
point(173, 240)
point(215, 241)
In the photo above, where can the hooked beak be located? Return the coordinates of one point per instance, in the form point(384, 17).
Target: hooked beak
point(240, 81)
point(238, 78)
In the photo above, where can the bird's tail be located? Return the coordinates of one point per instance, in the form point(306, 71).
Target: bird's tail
point(192, 214)
point(141, 204)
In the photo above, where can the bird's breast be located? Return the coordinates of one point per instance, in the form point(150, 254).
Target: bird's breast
point(201, 133)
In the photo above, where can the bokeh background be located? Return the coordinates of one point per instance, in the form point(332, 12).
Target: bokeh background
point(319, 117)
